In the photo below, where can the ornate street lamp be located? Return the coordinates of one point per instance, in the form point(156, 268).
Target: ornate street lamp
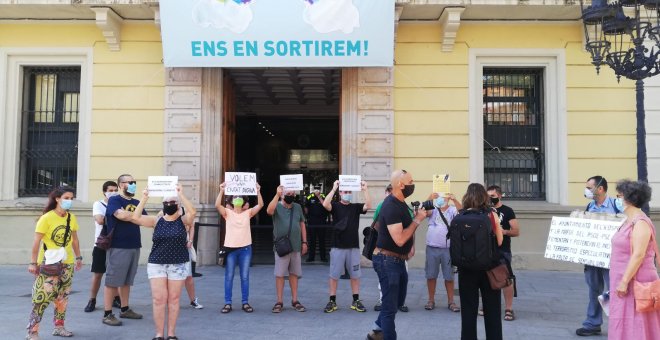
point(616, 40)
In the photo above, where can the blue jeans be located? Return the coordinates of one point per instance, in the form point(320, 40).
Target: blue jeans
point(242, 258)
point(393, 279)
point(598, 280)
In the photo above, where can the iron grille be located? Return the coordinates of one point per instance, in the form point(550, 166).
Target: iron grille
point(514, 153)
point(49, 134)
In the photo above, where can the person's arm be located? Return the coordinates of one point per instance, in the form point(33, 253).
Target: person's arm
point(270, 210)
point(143, 220)
point(123, 215)
point(34, 253)
point(640, 237)
point(75, 244)
point(219, 204)
point(191, 212)
point(303, 235)
point(457, 203)
point(367, 198)
point(327, 202)
point(260, 203)
point(432, 196)
point(498, 229)
point(400, 235)
point(515, 229)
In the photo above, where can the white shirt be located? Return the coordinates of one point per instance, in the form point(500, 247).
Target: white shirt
point(436, 236)
point(98, 208)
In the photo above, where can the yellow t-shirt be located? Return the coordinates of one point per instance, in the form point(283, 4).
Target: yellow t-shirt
point(53, 227)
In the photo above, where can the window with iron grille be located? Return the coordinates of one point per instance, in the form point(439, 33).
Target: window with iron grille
point(49, 134)
point(514, 156)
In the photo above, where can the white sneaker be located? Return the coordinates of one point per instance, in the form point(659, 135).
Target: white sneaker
point(195, 304)
point(604, 301)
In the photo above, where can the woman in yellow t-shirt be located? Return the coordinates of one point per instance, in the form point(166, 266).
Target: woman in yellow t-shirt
point(51, 230)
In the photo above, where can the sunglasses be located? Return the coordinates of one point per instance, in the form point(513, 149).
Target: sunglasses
point(130, 182)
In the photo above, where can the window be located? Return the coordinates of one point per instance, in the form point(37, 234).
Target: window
point(513, 119)
point(49, 133)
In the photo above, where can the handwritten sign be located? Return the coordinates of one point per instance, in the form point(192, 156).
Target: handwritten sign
point(162, 186)
point(292, 182)
point(350, 182)
point(441, 184)
point(241, 183)
point(581, 240)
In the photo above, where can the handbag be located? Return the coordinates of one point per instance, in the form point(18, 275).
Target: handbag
point(370, 239)
point(283, 245)
point(647, 294)
point(499, 277)
point(104, 241)
point(55, 269)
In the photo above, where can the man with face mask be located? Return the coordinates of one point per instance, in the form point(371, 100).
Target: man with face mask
point(288, 215)
point(398, 224)
point(124, 253)
point(345, 251)
point(598, 279)
point(317, 217)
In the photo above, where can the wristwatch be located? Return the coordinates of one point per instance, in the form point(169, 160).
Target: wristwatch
point(79, 258)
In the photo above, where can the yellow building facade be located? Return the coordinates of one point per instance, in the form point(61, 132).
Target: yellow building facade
point(426, 114)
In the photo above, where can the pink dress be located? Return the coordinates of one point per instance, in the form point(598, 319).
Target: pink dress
point(624, 322)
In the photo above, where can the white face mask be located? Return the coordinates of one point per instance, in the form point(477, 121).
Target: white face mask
point(110, 194)
point(588, 193)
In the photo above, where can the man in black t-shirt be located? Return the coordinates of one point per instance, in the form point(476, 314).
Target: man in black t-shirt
point(345, 251)
point(317, 218)
point(510, 229)
point(395, 240)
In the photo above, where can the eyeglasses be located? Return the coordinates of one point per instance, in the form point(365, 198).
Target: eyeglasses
point(129, 182)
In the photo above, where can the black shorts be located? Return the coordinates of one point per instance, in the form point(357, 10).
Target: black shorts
point(98, 260)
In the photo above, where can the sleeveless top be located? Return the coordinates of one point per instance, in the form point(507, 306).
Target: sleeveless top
point(238, 229)
point(169, 242)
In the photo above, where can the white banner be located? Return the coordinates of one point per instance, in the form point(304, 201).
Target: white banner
point(292, 182)
point(581, 240)
point(277, 33)
point(241, 183)
point(350, 183)
point(162, 186)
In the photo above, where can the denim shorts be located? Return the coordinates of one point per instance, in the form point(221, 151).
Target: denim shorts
point(437, 258)
point(176, 271)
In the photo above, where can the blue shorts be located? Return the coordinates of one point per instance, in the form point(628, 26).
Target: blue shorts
point(437, 258)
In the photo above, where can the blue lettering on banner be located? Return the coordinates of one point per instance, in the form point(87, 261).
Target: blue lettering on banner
point(280, 48)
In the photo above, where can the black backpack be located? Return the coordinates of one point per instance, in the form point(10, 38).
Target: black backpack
point(473, 244)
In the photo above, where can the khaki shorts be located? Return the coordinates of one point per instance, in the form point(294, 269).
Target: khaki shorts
point(121, 266)
point(290, 264)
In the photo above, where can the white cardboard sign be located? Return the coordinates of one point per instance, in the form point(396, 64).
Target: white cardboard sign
point(292, 182)
point(350, 182)
point(581, 240)
point(241, 183)
point(162, 186)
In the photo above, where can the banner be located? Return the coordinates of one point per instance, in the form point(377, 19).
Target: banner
point(241, 183)
point(441, 184)
point(581, 240)
point(277, 33)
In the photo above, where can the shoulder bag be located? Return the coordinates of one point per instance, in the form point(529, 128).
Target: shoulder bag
point(370, 239)
point(647, 294)
point(283, 245)
point(55, 269)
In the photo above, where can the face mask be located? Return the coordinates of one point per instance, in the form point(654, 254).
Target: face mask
point(66, 204)
point(346, 197)
point(619, 204)
point(494, 200)
point(408, 190)
point(588, 193)
point(130, 189)
point(237, 202)
point(439, 202)
point(170, 209)
point(288, 199)
point(110, 194)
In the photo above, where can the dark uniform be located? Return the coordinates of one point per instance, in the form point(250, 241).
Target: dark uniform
point(317, 219)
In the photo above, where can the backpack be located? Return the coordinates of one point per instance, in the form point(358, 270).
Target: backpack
point(473, 244)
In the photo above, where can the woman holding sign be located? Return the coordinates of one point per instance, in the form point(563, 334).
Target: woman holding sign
point(238, 244)
point(633, 249)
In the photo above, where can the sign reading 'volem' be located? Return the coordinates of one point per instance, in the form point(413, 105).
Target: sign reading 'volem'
point(283, 33)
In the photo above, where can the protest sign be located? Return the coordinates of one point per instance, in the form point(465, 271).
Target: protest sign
point(350, 182)
point(292, 182)
point(441, 184)
point(241, 183)
point(580, 240)
point(162, 186)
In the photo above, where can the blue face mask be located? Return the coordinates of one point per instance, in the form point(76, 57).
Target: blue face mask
point(66, 204)
point(346, 197)
point(131, 188)
point(619, 204)
point(439, 202)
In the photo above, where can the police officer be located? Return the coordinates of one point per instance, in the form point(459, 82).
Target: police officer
point(317, 218)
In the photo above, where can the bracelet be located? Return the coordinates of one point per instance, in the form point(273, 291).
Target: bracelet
point(79, 258)
point(32, 264)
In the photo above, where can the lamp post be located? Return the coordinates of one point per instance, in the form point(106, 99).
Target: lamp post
point(617, 41)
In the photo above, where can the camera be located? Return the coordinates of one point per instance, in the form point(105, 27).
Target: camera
point(427, 205)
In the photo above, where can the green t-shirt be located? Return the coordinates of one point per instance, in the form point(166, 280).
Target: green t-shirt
point(378, 210)
point(281, 219)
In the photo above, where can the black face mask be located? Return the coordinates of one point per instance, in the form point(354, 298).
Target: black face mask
point(408, 190)
point(494, 200)
point(170, 209)
point(288, 199)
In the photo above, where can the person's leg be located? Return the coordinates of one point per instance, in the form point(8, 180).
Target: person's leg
point(431, 270)
point(279, 288)
point(124, 292)
point(594, 279)
point(158, 300)
point(355, 286)
point(244, 260)
point(449, 287)
point(468, 291)
point(109, 294)
point(390, 281)
point(448, 276)
point(293, 283)
point(320, 234)
point(337, 264)
point(295, 272)
point(430, 285)
point(492, 303)
point(43, 292)
point(62, 291)
point(190, 287)
point(96, 285)
point(332, 286)
point(403, 287)
point(174, 288)
point(230, 268)
point(280, 270)
point(311, 243)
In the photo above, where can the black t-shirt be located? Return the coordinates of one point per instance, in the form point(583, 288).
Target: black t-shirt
point(506, 214)
point(316, 213)
point(393, 211)
point(349, 214)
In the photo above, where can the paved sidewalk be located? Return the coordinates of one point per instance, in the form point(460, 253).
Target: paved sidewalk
point(551, 305)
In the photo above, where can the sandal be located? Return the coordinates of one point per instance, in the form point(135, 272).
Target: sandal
point(226, 309)
point(509, 315)
point(453, 307)
point(298, 306)
point(158, 338)
point(173, 337)
point(278, 307)
point(247, 308)
point(430, 305)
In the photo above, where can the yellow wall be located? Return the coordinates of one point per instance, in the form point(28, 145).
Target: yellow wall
point(127, 94)
point(431, 103)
